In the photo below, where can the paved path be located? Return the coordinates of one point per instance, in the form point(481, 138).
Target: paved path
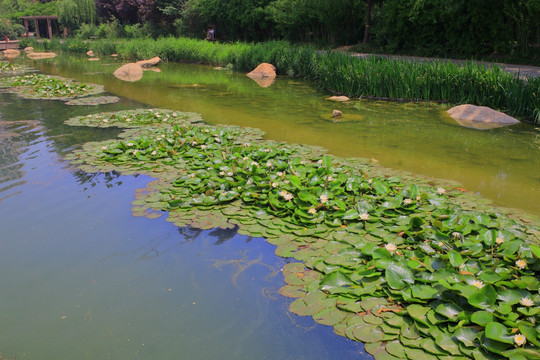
point(522, 70)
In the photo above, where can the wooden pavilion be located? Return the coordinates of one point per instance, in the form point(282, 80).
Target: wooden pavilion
point(36, 19)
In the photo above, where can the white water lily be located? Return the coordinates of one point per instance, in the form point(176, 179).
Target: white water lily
point(391, 247)
point(266, 150)
point(288, 196)
point(128, 120)
point(364, 216)
point(418, 198)
point(269, 164)
point(441, 190)
point(283, 193)
point(154, 152)
point(191, 175)
point(275, 184)
point(221, 173)
point(129, 144)
point(105, 120)
point(230, 173)
point(203, 147)
point(247, 144)
point(526, 302)
point(499, 241)
point(312, 211)
point(520, 339)
point(89, 116)
point(254, 163)
point(323, 198)
point(477, 283)
point(370, 181)
point(407, 201)
point(174, 114)
point(279, 173)
point(205, 130)
point(522, 264)
point(104, 148)
point(456, 234)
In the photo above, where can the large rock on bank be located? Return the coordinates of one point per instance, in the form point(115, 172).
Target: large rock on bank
point(129, 72)
point(480, 117)
point(40, 55)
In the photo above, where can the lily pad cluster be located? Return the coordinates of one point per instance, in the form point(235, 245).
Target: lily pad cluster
point(40, 86)
point(7, 67)
point(412, 268)
point(94, 100)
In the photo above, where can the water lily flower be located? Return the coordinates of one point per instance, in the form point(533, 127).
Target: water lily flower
point(522, 264)
point(157, 115)
point(441, 190)
point(456, 234)
point(205, 130)
point(230, 173)
point(283, 193)
point(154, 152)
point(254, 163)
point(105, 120)
point(191, 175)
point(275, 184)
point(499, 241)
point(269, 164)
point(319, 162)
point(288, 196)
point(174, 114)
point(364, 216)
point(526, 302)
point(323, 198)
point(418, 198)
point(247, 144)
point(203, 147)
point(266, 150)
point(249, 182)
point(312, 211)
point(279, 173)
point(128, 120)
point(477, 283)
point(391, 247)
point(370, 181)
point(221, 173)
point(330, 178)
point(193, 143)
point(407, 201)
point(89, 116)
point(520, 339)
point(129, 144)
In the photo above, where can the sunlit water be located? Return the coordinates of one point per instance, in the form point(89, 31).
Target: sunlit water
point(84, 279)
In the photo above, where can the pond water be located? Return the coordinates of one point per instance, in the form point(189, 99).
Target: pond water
point(84, 278)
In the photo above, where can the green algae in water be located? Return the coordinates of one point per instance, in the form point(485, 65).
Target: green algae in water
point(406, 265)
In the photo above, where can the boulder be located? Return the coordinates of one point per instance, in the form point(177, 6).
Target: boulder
point(338, 98)
point(93, 59)
point(336, 113)
point(35, 55)
point(129, 72)
point(150, 62)
point(28, 49)
point(263, 71)
point(11, 53)
point(90, 53)
point(480, 117)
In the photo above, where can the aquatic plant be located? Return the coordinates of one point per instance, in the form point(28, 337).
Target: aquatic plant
point(7, 67)
point(39, 86)
point(412, 268)
point(341, 73)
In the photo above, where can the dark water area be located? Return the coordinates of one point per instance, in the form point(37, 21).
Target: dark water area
point(83, 278)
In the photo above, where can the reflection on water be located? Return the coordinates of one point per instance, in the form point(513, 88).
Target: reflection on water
point(418, 138)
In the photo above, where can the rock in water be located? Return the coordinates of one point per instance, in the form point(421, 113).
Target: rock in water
point(150, 62)
point(338, 98)
point(264, 70)
point(480, 117)
point(129, 72)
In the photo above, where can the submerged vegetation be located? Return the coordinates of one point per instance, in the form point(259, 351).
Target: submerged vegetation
point(411, 267)
point(370, 77)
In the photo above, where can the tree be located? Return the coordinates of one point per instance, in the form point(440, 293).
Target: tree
point(72, 14)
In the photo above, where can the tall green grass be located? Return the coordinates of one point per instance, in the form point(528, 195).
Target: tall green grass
point(341, 73)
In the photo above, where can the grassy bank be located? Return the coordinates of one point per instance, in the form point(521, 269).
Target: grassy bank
point(341, 73)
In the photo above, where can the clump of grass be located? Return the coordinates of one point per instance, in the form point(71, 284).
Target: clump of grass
point(341, 73)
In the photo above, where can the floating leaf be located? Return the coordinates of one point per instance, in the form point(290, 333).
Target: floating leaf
point(398, 276)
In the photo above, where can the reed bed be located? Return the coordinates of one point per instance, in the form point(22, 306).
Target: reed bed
point(371, 77)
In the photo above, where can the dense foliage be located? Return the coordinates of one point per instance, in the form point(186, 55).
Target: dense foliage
point(73, 13)
point(352, 76)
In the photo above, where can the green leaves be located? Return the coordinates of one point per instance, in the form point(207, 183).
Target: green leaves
point(398, 276)
point(498, 332)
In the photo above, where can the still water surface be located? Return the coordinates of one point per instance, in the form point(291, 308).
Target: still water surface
point(82, 278)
